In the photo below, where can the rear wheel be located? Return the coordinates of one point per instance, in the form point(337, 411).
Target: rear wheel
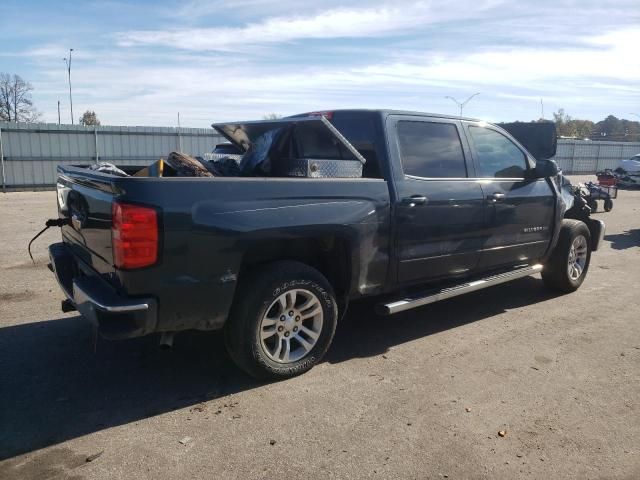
point(567, 267)
point(282, 321)
point(608, 205)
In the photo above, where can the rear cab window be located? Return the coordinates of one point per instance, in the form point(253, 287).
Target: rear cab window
point(431, 149)
point(362, 131)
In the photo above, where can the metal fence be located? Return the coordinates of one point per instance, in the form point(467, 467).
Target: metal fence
point(585, 157)
point(30, 153)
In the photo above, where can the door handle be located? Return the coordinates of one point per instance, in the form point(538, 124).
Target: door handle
point(414, 200)
point(496, 197)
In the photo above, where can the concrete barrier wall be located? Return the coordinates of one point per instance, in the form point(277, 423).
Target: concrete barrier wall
point(30, 153)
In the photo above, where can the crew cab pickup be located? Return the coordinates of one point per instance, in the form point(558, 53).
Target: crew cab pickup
point(443, 206)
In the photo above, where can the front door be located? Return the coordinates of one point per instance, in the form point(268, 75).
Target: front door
point(519, 211)
point(439, 210)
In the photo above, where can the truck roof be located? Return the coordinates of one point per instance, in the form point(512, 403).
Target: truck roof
point(386, 111)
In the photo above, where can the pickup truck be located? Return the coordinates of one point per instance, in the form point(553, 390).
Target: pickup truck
point(443, 206)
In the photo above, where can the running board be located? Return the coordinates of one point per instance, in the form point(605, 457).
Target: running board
point(435, 296)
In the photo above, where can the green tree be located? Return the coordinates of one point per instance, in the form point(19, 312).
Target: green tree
point(632, 130)
point(89, 118)
point(611, 128)
point(616, 130)
point(564, 127)
point(582, 128)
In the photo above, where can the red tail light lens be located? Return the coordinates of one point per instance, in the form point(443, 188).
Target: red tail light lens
point(134, 235)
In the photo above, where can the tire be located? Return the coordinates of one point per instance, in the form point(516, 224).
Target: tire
point(258, 339)
point(567, 267)
point(608, 205)
point(593, 205)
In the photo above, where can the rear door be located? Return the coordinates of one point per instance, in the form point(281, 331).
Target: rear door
point(519, 212)
point(439, 210)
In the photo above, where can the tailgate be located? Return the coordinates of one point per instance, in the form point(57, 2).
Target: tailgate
point(85, 198)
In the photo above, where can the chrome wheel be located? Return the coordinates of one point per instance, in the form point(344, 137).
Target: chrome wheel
point(577, 257)
point(291, 326)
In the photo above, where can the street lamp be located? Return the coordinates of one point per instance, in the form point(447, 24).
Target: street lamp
point(67, 61)
point(461, 105)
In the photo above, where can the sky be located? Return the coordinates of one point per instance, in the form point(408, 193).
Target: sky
point(140, 63)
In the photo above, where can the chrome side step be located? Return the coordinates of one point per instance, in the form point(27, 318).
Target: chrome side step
point(435, 296)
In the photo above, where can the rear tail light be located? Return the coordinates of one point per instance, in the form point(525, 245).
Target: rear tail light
point(134, 235)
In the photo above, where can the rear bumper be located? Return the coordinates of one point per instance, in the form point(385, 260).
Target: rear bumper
point(115, 316)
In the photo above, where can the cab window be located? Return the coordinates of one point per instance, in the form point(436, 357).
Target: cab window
point(498, 157)
point(431, 150)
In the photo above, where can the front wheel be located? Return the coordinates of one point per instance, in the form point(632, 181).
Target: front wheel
point(282, 322)
point(608, 205)
point(567, 266)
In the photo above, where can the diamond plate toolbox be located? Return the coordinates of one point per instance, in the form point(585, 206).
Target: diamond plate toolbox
point(318, 168)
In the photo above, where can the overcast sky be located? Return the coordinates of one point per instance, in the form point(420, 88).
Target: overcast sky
point(216, 60)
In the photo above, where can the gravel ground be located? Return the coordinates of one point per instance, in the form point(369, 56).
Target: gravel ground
point(418, 395)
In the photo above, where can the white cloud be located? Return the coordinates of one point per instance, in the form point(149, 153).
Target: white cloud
point(595, 76)
point(405, 55)
point(375, 21)
point(521, 66)
point(196, 9)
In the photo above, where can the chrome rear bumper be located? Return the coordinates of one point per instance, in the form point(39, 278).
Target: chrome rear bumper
point(116, 316)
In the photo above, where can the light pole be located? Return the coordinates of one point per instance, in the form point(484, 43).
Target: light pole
point(68, 62)
point(461, 105)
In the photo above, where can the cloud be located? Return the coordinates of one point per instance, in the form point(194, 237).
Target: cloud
point(595, 76)
point(376, 21)
point(196, 9)
point(222, 60)
point(605, 57)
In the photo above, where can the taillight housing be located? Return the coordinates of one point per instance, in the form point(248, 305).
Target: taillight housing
point(134, 235)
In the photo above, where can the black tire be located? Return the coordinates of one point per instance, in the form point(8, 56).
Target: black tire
point(608, 205)
point(593, 205)
point(556, 273)
point(255, 299)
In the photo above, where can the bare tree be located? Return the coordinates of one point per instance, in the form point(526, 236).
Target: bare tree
point(6, 111)
point(89, 118)
point(15, 99)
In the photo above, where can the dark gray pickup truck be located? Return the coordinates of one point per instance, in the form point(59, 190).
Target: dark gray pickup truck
point(441, 206)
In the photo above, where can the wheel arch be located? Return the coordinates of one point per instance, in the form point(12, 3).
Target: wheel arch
point(331, 254)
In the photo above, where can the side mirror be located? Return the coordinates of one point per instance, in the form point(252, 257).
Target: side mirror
point(544, 169)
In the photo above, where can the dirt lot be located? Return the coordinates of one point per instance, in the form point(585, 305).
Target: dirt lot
point(418, 395)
